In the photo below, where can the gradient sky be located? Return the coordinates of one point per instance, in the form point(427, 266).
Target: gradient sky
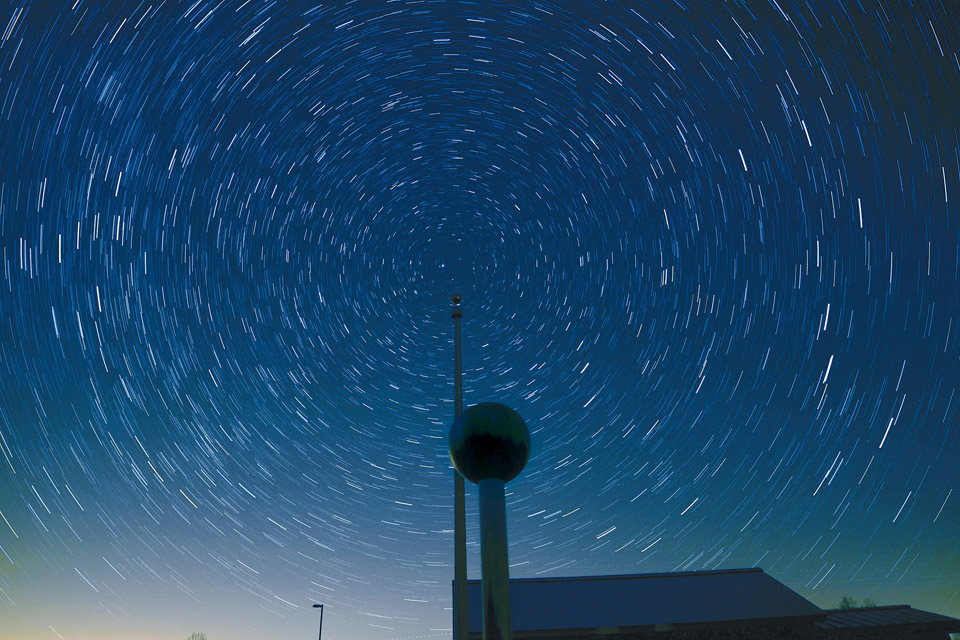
point(710, 251)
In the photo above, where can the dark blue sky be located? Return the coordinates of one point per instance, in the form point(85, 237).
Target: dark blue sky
point(709, 251)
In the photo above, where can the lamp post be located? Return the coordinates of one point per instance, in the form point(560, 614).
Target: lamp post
point(320, 606)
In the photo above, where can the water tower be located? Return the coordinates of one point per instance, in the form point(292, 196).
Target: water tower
point(489, 446)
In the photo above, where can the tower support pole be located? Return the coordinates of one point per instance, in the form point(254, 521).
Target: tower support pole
point(497, 624)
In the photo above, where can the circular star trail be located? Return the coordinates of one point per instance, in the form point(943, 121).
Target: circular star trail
point(708, 251)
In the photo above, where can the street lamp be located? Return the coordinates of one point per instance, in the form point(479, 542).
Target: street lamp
point(320, 606)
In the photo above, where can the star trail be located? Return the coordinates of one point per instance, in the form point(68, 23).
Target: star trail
point(710, 251)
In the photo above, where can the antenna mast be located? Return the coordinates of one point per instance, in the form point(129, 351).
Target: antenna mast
point(461, 623)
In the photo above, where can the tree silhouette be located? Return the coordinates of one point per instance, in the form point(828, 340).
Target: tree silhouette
point(846, 602)
point(197, 636)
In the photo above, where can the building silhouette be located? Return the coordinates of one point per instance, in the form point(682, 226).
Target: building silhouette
point(694, 605)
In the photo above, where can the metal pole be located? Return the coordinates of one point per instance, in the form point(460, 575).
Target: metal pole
point(461, 621)
point(457, 364)
point(493, 553)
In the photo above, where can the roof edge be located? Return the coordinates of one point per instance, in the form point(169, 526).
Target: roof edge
point(881, 607)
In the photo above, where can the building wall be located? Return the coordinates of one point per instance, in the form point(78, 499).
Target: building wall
point(744, 632)
point(666, 632)
point(903, 633)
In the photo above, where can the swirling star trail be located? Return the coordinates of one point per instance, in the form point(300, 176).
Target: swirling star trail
point(708, 250)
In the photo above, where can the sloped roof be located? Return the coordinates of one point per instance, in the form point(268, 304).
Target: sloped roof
point(884, 616)
point(644, 599)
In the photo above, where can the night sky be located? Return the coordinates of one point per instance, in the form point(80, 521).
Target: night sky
point(710, 251)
